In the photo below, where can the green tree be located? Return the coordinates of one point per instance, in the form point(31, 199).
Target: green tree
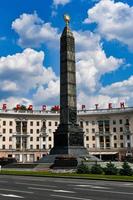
point(96, 169)
point(126, 170)
point(110, 169)
point(83, 169)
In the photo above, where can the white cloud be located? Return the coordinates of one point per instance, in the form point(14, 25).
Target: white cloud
point(123, 88)
point(24, 71)
point(7, 85)
point(33, 31)
point(61, 2)
point(49, 95)
point(11, 102)
point(101, 100)
point(92, 61)
point(114, 20)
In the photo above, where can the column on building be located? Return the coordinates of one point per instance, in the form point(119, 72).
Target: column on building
point(13, 142)
point(131, 140)
point(97, 142)
point(28, 142)
point(125, 140)
point(111, 141)
point(104, 142)
point(0, 141)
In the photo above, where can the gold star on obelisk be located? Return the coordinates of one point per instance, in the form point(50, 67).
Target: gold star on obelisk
point(66, 19)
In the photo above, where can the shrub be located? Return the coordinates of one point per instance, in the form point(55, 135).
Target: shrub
point(110, 169)
point(126, 170)
point(83, 169)
point(96, 169)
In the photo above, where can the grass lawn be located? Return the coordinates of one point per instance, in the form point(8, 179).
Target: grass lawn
point(69, 175)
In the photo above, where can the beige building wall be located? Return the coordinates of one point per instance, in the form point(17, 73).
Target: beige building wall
point(29, 136)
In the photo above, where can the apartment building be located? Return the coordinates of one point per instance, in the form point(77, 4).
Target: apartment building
point(27, 135)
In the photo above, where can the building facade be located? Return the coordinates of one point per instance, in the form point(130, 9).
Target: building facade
point(27, 135)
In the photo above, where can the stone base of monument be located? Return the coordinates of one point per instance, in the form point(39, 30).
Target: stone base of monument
point(62, 161)
point(65, 162)
point(68, 150)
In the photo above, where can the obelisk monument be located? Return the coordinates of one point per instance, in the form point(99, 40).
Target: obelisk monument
point(69, 137)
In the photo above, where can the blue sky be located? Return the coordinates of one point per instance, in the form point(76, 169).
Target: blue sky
point(29, 51)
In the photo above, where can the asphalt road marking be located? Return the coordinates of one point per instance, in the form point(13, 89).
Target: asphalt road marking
point(11, 195)
point(105, 191)
point(19, 191)
point(3, 181)
point(93, 186)
point(68, 197)
point(34, 184)
point(47, 189)
point(64, 191)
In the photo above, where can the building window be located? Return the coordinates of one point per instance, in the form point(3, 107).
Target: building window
point(3, 139)
point(31, 139)
point(31, 131)
point(120, 121)
point(37, 131)
point(122, 145)
point(44, 146)
point(115, 137)
point(31, 146)
point(127, 121)
point(10, 139)
point(87, 145)
point(87, 138)
point(4, 123)
point(81, 124)
point(44, 139)
point(114, 129)
point(114, 122)
point(10, 147)
point(108, 145)
point(49, 123)
point(50, 146)
point(93, 145)
point(37, 123)
point(50, 139)
point(49, 130)
point(3, 146)
point(121, 129)
point(93, 138)
point(121, 137)
point(87, 123)
point(4, 130)
point(87, 130)
point(128, 145)
point(93, 130)
point(44, 123)
point(10, 123)
point(115, 145)
point(10, 130)
point(37, 139)
point(37, 146)
point(31, 123)
point(56, 123)
point(93, 122)
point(128, 137)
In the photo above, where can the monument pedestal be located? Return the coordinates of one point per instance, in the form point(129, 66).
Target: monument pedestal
point(69, 139)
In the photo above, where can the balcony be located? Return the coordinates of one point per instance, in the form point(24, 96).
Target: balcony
point(103, 133)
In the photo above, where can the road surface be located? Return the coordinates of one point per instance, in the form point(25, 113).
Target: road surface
point(43, 188)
